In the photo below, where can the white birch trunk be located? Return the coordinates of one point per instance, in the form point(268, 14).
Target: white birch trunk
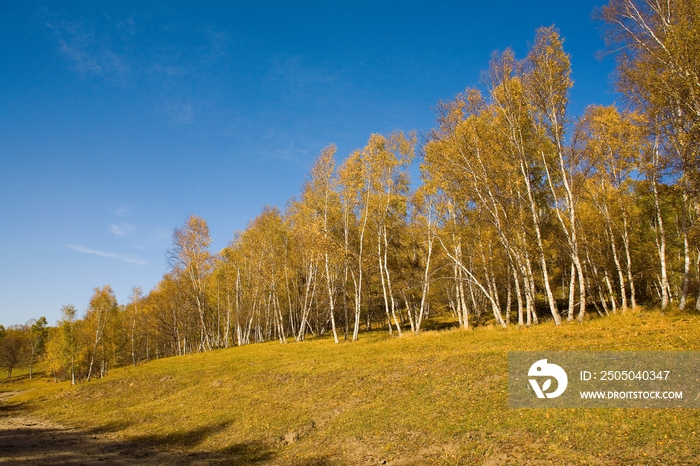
point(331, 300)
point(661, 236)
point(426, 281)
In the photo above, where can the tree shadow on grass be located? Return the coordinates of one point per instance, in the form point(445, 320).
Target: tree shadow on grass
point(29, 440)
point(182, 439)
point(25, 439)
point(251, 452)
point(10, 409)
point(248, 452)
point(433, 325)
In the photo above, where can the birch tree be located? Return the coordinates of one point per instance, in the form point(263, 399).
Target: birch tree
point(190, 258)
point(425, 216)
point(610, 142)
point(656, 45)
point(547, 83)
point(354, 195)
point(37, 334)
point(322, 194)
point(385, 161)
point(66, 350)
point(102, 309)
point(521, 145)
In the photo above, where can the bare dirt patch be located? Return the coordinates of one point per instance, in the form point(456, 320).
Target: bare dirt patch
point(27, 439)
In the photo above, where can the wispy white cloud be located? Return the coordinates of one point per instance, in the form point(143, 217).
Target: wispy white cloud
point(299, 77)
point(169, 70)
point(96, 252)
point(121, 212)
point(118, 50)
point(180, 113)
point(88, 53)
point(163, 235)
point(127, 26)
point(121, 229)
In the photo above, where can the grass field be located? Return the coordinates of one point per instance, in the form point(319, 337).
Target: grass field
point(436, 398)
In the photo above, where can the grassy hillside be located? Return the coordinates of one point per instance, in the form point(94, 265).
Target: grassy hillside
point(436, 398)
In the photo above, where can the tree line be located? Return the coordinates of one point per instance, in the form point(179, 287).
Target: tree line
point(523, 213)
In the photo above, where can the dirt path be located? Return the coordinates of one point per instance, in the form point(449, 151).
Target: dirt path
point(25, 439)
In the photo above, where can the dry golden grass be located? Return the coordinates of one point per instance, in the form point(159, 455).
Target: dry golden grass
point(436, 398)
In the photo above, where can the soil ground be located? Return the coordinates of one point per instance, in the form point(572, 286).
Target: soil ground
point(28, 439)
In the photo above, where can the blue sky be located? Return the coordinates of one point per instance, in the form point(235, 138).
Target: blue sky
point(120, 119)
